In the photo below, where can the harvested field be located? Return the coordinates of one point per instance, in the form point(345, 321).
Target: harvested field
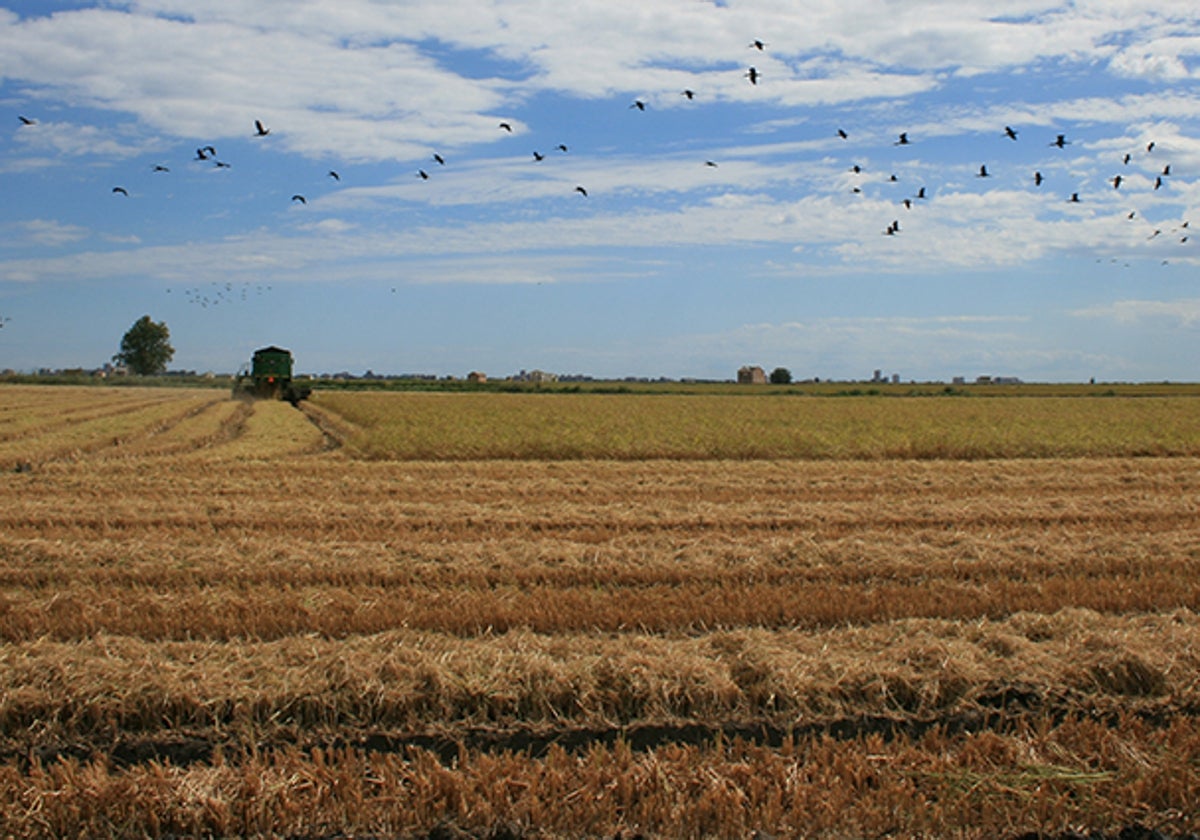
point(240, 619)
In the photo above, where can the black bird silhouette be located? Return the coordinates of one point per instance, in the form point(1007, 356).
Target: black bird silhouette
point(856, 169)
point(27, 120)
point(1037, 179)
point(506, 127)
point(581, 191)
point(1167, 169)
point(842, 134)
point(921, 193)
point(903, 141)
point(562, 147)
point(201, 155)
point(220, 164)
point(1060, 141)
point(752, 75)
point(1074, 199)
point(690, 94)
point(260, 130)
point(983, 173)
point(1010, 132)
point(1158, 182)
point(441, 160)
point(422, 174)
point(300, 198)
point(1150, 146)
point(1125, 160)
point(334, 175)
point(1116, 182)
point(1132, 213)
point(158, 167)
point(758, 45)
point(639, 104)
point(711, 163)
point(538, 156)
point(907, 203)
point(893, 179)
point(121, 191)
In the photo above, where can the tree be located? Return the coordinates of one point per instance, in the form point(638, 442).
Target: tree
point(146, 348)
point(781, 376)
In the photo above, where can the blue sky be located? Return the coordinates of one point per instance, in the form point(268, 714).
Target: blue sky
point(778, 255)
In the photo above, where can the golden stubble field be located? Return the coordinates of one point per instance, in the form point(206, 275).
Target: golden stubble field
point(221, 618)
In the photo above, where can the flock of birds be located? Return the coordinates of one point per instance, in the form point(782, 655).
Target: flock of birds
point(1060, 141)
point(217, 293)
point(208, 154)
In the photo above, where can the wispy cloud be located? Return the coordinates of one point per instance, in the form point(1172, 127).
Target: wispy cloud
point(1183, 313)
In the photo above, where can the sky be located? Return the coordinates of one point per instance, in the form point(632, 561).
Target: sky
point(395, 215)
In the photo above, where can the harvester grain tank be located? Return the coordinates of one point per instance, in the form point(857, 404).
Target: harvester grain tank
point(269, 377)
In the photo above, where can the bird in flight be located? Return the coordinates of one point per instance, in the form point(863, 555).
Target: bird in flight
point(158, 167)
point(903, 141)
point(441, 160)
point(1158, 182)
point(639, 104)
point(121, 191)
point(758, 45)
point(422, 174)
point(300, 198)
point(538, 156)
point(506, 127)
point(581, 191)
point(220, 164)
point(1116, 182)
point(334, 175)
point(921, 193)
point(1010, 132)
point(1125, 160)
point(690, 94)
point(562, 147)
point(1060, 141)
point(842, 134)
point(752, 75)
point(711, 163)
point(27, 120)
point(1037, 179)
point(983, 173)
point(1150, 146)
point(1074, 199)
point(260, 130)
point(1167, 169)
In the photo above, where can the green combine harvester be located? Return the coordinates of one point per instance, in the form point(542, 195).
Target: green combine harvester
point(269, 377)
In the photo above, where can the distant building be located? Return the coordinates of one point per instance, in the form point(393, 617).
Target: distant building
point(476, 377)
point(535, 376)
point(751, 375)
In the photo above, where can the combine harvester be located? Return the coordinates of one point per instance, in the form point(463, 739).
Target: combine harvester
point(269, 377)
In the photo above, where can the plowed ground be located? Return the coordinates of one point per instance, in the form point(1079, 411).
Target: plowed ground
point(213, 621)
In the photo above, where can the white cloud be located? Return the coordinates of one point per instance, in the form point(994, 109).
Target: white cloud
point(51, 233)
point(1183, 313)
point(365, 79)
